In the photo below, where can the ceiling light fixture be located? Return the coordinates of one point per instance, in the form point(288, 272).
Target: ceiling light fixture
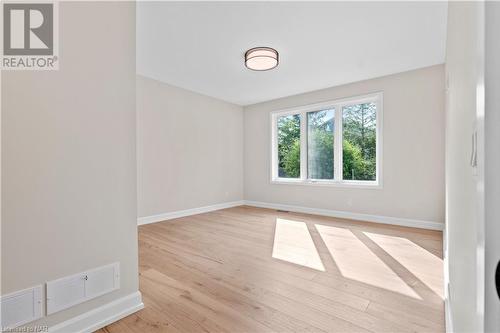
point(261, 58)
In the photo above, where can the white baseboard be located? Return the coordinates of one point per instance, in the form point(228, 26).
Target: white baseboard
point(352, 216)
point(298, 209)
point(101, 316)
point(187, 212)
point(448, 318)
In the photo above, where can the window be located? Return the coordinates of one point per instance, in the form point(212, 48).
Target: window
point(332, 143)
point(320, 144)
point(359, 146)
point(289, 146)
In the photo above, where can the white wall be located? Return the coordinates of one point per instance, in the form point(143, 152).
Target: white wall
point(68, 157)
point(413, 150)
point(189, 149)
point(492, 176)
point(463, 224)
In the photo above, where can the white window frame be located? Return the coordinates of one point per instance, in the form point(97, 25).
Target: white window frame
point(337, 104)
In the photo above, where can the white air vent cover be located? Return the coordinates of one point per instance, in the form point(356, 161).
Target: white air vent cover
point(75, 289)
point(21, 307)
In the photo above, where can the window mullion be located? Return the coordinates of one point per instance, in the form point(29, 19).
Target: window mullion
point(274, 147)
point(338, 144)
point(303, 146)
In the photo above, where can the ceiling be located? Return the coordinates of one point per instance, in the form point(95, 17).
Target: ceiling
point(200, 45)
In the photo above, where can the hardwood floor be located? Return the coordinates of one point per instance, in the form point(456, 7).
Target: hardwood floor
point(248, 269)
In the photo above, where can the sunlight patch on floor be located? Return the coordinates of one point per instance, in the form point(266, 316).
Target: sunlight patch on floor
point(424, 265)
point(357, 262)
point(293, 243)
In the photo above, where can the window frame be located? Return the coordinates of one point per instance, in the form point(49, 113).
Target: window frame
point(336, 104)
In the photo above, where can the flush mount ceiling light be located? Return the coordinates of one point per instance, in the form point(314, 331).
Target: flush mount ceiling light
point(261, 58)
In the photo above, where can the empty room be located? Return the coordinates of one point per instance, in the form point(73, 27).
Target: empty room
point(250, 167)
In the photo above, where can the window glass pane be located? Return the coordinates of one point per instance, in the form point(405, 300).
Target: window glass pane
point(289, 146)
point(320, 126)
point(359, 129)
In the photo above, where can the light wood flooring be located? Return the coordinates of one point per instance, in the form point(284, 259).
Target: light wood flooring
point(248, 269)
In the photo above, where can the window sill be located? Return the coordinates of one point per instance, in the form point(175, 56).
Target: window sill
point(343, 184)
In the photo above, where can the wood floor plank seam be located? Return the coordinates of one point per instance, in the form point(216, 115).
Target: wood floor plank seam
point(217, 272)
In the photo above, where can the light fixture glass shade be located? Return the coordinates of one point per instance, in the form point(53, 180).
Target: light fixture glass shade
point(261, 58)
